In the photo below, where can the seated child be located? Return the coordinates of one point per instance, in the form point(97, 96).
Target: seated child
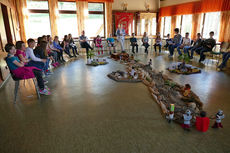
point(41, 52)
point(168, 41)
point(111, 43)
point(133, 42)
point(158, 42)
point(98, 44)
point(202, 122)
point(18, 69)
point(20, 53)
point(185, 45)
point(33, 60)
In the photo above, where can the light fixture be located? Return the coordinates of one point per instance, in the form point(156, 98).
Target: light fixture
point(124, 6)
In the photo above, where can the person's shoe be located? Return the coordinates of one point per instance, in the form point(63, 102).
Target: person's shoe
point(44, 92)
point(45, 81)
point(49, 73)
point(47, 88)
point(54, 65)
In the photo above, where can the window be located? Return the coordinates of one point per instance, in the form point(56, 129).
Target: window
point(162, 26)
point(154, 26)
point(67, 22)
point(37, 5)
point(95, 23)
point(167, 26)
point(178, 21)
point(38, 18)
point(186, 25)
point(71, 6)
point(98, 7)
point(211, 23)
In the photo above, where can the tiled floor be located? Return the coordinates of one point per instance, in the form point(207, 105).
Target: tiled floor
point(89, 113)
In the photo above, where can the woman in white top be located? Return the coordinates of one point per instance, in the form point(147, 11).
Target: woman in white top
point(185, 45)
point(145, 40)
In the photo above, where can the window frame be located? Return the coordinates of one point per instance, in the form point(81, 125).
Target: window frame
point(34, 11)
point(100, 12)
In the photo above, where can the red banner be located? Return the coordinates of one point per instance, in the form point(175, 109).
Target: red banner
point(126, 19)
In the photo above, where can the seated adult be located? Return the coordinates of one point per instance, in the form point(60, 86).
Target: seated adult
point(226, 56)
point(145, 41)
point(206, 46)
point(57, 46)
point(84, 43)
point(175, 42)
point(168, 41)
point(72, 45)
point(196, 44)
point(111, 43)
point(65, 46)
point(33, 60)
point(158, 42)
point(133, 42)
point(186, 43)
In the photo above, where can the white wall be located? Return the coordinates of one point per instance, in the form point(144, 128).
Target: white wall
point(138, 5)
point(174, 2)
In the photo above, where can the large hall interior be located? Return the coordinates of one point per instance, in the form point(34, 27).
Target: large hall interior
point(114, 76)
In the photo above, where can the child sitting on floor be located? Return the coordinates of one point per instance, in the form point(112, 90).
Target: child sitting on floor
point(98, 44)
point(18, 69)
point(202, 122)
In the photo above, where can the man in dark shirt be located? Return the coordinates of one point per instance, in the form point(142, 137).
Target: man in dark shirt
point(133, 42)
point(196, 44)
point(206, 46)
point(84, 43)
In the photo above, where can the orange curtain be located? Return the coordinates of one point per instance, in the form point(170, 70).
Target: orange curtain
point(159, 25)
point(196, 24)
point(173, 25)
point(82, 14)
point(225, 27)
point(22, 17)
point(96, 0)
point(53, 7)
point(195, 7)
point(108, 14)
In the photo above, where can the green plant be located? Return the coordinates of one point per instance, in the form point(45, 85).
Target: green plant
point(184, 57)
point(91, 53)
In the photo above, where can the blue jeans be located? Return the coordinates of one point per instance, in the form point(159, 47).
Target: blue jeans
point(172, 47)
point(186, 48)
point(201, 51)
point(39, 65)
point(226, 56)
point(46, 65)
